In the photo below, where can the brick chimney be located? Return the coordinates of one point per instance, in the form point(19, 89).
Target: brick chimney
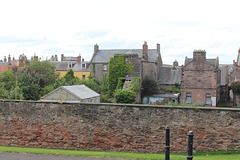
point(145, 50)
point(199, 55)
point(5, 59)
point(79, 58)
point(83, 59)
point(96, 48)
point(9, 60)
point(62, 56)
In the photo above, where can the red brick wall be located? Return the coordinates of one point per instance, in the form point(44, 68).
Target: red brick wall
point(116, 127)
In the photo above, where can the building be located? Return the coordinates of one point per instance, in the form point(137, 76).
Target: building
point(76, 93)
point(146, 61)
point(169, 75)
point(8, 64)
point(201, 79)
point(79, 66)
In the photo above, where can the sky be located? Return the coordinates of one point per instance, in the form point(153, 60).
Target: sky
point(73, 27)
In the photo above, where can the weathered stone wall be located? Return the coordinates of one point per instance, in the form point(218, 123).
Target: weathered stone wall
point(116, 127)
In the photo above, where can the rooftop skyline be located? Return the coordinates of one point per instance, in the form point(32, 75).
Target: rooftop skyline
point(73, 27)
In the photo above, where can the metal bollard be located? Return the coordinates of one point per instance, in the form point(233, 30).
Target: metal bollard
point(190, 145)
point(167, 145)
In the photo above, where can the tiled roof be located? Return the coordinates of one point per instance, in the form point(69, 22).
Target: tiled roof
point(103, 56)
point(3, 68)
point(170, 75)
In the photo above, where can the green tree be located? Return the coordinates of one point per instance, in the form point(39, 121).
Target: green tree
point(176, 88)
point(35, 76)
point(117, 68)
point(149, 86)
point(104, 84)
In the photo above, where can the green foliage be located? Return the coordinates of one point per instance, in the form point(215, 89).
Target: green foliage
point(136, 84)
point(104, 84)
point(104, 98)
point(125, 96)
point(149, 86)
point(93, 67)
point(236, 87)
point(117, 68)
point(8, 79)
point(35, 76)
point(15, 93)
point(120, 84)
point(176, 88)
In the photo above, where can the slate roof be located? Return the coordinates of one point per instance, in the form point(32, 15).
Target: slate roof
point(62, 65)
point(103, 56)
point(78, 66)
point(214, 61)
point(170, 75)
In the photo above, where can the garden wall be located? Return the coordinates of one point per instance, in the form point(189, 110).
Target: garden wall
point(116, 127)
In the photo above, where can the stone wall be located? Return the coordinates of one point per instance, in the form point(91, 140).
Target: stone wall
point(116, 127)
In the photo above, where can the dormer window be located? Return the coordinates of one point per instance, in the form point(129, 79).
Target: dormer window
point(84, 65)
point(70, 65)
point(105, 67)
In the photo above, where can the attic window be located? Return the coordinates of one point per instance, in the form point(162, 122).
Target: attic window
point(70, 65)
point(84, 65)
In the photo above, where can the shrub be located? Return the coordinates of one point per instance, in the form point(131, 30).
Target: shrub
point(125, 96)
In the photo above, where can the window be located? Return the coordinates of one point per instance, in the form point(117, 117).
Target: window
point(69, 65)
point(83, 76)
point(188, 98)
point(84, 65)
point(208, 99)
point(105, 67)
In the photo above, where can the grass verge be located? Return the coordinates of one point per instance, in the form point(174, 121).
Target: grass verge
point(220, 155)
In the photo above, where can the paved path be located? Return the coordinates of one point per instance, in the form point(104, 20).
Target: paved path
point(26, 156)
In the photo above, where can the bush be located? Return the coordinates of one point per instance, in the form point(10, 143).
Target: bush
point(125, 96)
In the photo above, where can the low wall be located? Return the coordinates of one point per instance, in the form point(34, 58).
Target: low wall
point(116, 127)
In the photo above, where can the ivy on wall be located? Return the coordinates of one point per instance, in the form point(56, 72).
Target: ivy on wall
point(236, 87)
point(117, 68)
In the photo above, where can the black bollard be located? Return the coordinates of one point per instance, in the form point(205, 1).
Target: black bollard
point(190, 146)
point(167, 146)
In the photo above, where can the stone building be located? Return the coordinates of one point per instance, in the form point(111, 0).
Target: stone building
point(146, 61)
point(201, 79)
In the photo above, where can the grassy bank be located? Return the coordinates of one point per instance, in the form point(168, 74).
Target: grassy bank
point(224, 155)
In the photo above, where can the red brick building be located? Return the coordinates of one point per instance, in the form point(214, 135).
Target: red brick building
point(201, 80)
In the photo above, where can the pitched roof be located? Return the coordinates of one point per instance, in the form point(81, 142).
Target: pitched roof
point(81, 91)
point(3, 68)
point(103, 56)
point(62, 65)
point(213, 61)
point(78, 67)
point(170, 75)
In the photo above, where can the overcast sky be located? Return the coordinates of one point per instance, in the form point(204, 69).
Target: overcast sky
point(70, 27)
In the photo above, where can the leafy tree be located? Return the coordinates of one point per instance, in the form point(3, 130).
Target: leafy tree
point(149, 86)
point(35, 76)
point(236, 87)
point(125, 96)
point(8, 79)
point(176, 88)
point(136, 84)
point(15, 93)
point(117, 68)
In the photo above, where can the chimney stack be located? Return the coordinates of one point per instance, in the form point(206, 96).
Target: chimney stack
point(5, 59)
point(199, 54)
point(9, 60)
point(79, 58)
point(62, 55)
point(96, 48)
point(83, 59)
point(158, 48)
point(145, 50)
